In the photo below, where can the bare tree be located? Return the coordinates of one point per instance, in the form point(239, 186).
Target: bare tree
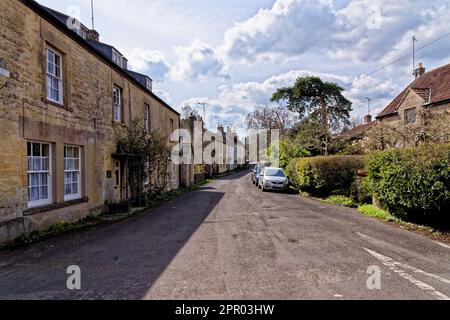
point(148, 159)
point(433, 127)
point(187, 111)
point(271, 118)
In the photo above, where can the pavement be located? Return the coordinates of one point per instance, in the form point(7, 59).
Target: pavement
point(229, 240)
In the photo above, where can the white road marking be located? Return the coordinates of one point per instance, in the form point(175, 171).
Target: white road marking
point(405, 266)
point(338, 296)
point(442, 244)
point(395, 266)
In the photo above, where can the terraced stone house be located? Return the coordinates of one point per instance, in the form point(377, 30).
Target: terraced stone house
point(429, 91)
point(62, 93)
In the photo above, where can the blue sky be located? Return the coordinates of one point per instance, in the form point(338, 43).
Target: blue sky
point(233, 54)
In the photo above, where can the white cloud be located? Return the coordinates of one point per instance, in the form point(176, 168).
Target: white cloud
point(290, 27)
point(150, 62)
point(197, 61)
point(235, 101)
point(361, 31)
point(163, 95)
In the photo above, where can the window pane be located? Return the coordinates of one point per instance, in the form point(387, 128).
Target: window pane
point(36, 164)
point(75, 152)
point(43, 179)
point(67, 189)
point(66, 177)
point(45, 150)
point(28, 148)
point(76, 164)
point(34, 194)
point(74, 176)
point(36, 149)
point(74, 188)
point(44, 192)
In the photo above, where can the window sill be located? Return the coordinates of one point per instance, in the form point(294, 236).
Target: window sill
point(51, 207)
point(56, 104)
point(121, 124)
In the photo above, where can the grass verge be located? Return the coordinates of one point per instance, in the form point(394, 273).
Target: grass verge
point(375, 212)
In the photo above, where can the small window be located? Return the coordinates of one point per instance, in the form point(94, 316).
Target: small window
point(149, 84)
point(79, 31)
point(117, 58)
point(146, 118)
point(39, 174)
point(72, 173)
point(54, 76)
point(410, 115)
point(117, 104)
point(171, 126)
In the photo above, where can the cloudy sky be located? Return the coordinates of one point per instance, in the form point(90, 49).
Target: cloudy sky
point(233, 54)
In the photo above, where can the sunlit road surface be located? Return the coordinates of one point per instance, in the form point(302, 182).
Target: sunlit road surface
point(229, 240)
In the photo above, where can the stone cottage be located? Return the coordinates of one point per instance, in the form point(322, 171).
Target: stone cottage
point(62, 93)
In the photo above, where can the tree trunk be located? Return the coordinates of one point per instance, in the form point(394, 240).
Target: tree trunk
point(325, 123)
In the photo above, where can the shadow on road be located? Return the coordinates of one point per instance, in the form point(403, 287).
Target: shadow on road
point(118, 261)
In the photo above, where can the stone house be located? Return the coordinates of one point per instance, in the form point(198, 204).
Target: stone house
point(62, 93)
point(428, 94)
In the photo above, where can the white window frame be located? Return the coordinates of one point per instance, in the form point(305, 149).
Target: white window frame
point(43, 201)
point(117, 58)
point(117, 104)
point(149, 84)
point(80, 32)
point(146, 118)
point(72, 196)
point(54, 73)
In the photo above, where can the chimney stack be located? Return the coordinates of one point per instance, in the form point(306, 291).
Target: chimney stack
point(93, 35)
point(367, 119)
point(419, 71)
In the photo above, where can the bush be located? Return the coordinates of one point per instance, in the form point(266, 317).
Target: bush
point(411, 182)
point(323, 176)
point(342, 201)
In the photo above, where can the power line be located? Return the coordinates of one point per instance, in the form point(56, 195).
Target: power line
point(409, 54)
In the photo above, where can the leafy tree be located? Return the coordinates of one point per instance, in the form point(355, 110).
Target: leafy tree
point(319, 101)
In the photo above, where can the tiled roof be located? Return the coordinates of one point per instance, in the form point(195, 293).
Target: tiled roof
point(432, 87)
point(357, 130)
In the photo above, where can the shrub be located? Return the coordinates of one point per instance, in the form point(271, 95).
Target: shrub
point(411, 182)
point(342, 201)
point(322, 176)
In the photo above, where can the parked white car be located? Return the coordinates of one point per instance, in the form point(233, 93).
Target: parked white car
point(272, 178)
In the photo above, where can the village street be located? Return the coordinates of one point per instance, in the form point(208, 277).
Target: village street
point(229, 240)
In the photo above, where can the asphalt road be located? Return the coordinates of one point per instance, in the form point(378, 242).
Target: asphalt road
point(229, 240)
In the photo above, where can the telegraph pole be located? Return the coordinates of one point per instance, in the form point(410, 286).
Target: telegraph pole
point(204, 109)
point(368, 105)
point(92, 14)
point(414, 54)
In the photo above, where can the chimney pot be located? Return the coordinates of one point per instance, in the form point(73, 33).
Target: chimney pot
point(93, 35)
point(368, 119)
point(419, 71)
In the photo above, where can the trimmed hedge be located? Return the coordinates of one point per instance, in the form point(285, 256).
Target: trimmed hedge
point(411, 181)
point(323, 176)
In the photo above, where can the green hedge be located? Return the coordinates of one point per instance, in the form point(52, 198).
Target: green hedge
point(323, 176)
point(411, 181)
